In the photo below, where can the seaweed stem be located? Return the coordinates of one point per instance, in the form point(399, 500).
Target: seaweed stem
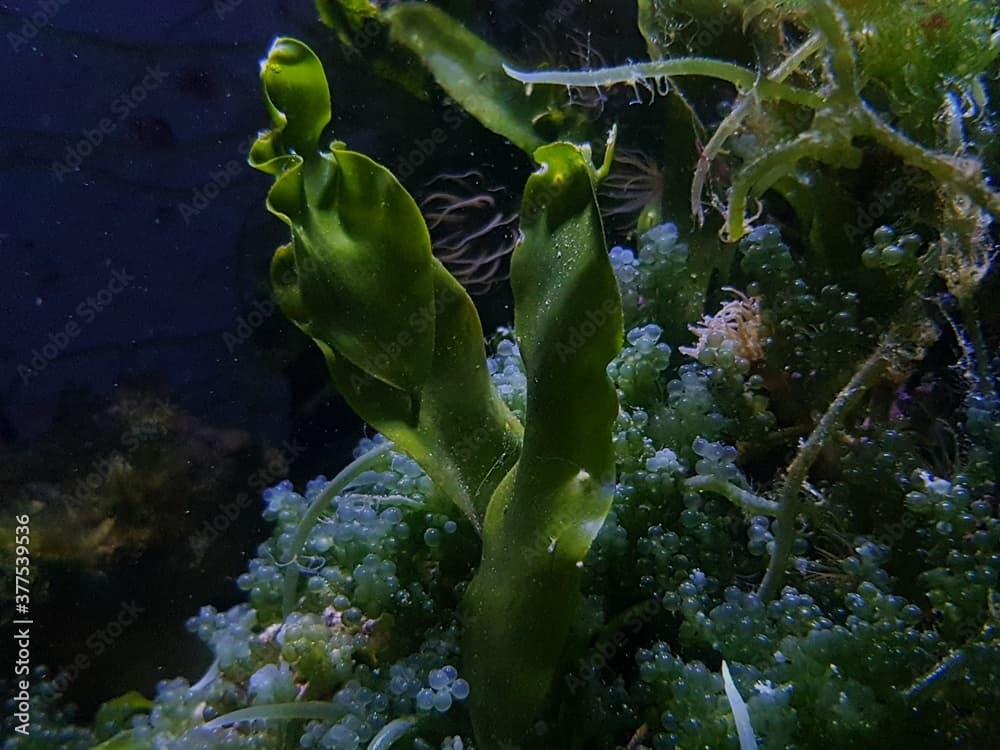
point(743, 78)
point(313, 513)
point(957, 657)
point(764, 171)
point(962, 175)
point(320, 710)
point(391, 732)
point(843, 67)
point(789, 502)
point(737, 495)
point(954, 659)
point(734, 119)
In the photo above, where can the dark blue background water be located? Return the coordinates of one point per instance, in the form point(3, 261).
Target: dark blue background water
point(125, 128)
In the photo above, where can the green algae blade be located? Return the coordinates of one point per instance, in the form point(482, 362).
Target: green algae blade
point(346, 17)
point(741, 715)
point(401, 337)
point(545, 515)
point(354, 277)
point(469, 70)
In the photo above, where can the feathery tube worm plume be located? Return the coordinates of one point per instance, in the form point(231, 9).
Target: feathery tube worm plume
point(471, 234)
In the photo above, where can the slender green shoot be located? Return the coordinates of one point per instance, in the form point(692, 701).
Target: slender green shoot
point(319, 710)
point(319, 505)
point(636, 74)
point(798, 470)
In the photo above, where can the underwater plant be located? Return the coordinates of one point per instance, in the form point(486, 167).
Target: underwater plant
point(688, 499)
